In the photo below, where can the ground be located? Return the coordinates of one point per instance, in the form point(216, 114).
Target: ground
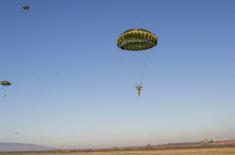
point(193, 151)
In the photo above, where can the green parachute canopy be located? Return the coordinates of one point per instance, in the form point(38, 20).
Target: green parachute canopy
point(25, 7)
point(5, 83)
point(137, 40)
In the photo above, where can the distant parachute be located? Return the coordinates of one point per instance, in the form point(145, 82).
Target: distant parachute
point(137, 40)
point(5, 84)
point(25, 7)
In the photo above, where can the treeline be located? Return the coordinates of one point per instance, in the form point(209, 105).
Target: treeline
point(201, 144)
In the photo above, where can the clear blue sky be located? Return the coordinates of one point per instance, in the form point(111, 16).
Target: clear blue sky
point(72, 86)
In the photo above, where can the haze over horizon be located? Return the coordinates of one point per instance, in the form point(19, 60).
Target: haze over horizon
point(72, 87)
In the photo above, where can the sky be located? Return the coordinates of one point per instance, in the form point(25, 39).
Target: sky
point(72, 87)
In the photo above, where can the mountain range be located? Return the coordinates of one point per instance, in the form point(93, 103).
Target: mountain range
point(5, 147)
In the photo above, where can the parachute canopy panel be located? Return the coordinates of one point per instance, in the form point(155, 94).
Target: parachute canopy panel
point(5, 83)
point(137, 40)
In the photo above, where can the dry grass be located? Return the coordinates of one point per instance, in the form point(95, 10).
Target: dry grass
point(207, 151)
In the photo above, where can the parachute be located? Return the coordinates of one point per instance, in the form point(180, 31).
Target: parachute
point(137, 41)
point(5, 84)
point(25, 7)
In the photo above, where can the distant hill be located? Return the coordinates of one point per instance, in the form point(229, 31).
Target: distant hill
point(16, 147)
point(225, 142)
point(185, 145)
point(12, 147)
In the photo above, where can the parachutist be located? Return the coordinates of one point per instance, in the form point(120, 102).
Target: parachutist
point(139, 88)
point(5, 84)
point(137, 40)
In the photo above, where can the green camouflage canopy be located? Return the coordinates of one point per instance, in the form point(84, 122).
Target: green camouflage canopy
point(5, 83)
point(137, 40)
point(25, 7)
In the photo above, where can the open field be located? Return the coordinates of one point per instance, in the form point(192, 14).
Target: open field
point(194, 151)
